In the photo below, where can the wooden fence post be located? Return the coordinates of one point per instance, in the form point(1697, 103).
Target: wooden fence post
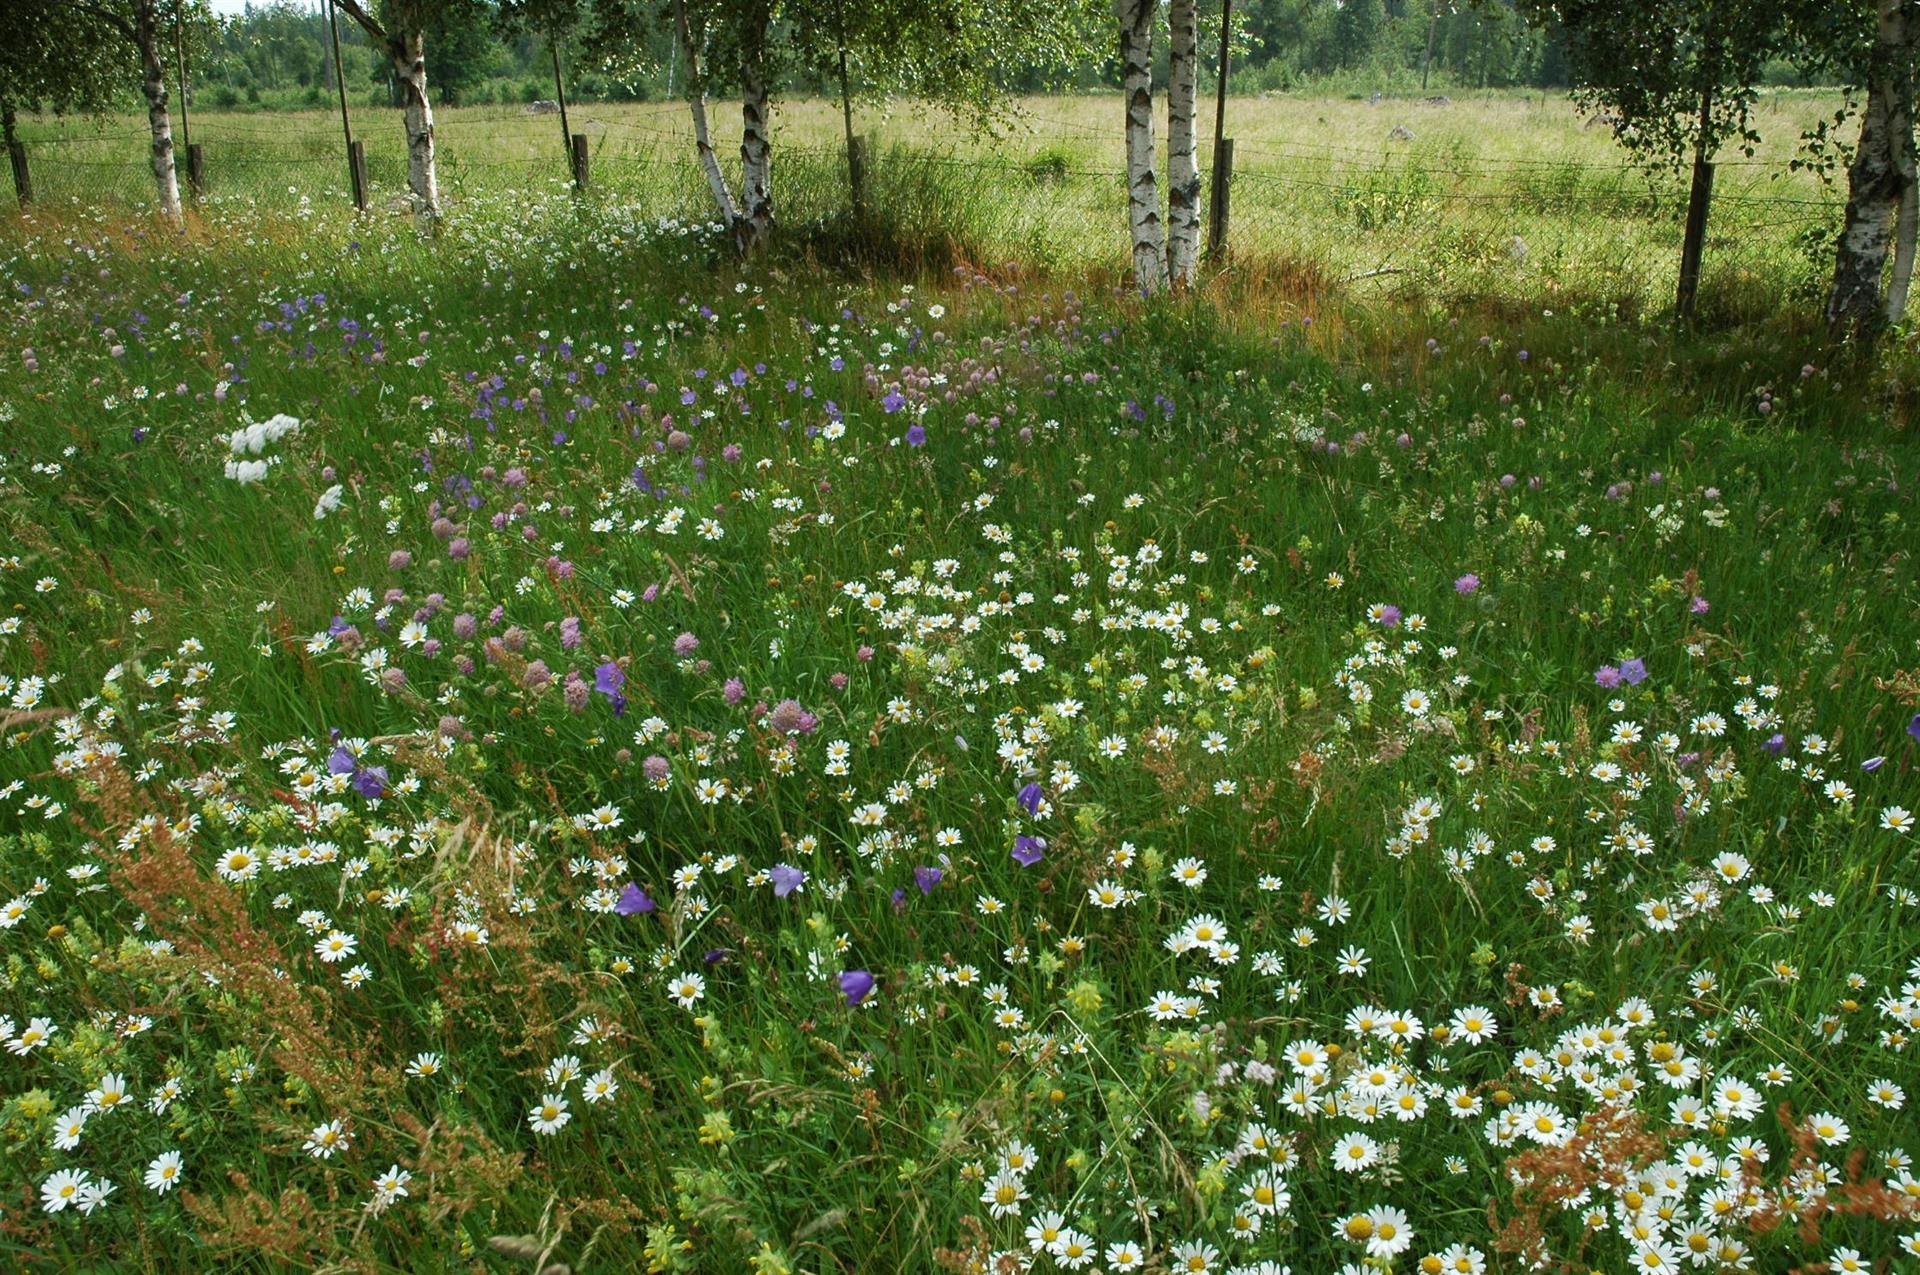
point(22, 179)
point(196, 169)
point(857, 174)
point(1220, 199)
point(357, 172)
point(579, 162)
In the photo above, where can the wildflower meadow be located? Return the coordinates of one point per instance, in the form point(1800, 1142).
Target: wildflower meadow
point(542, 747)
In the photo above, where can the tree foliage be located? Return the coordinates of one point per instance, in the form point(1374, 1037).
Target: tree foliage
point(1676, 77)
point(53, 57)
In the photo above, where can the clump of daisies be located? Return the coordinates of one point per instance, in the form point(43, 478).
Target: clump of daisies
point(253, 440)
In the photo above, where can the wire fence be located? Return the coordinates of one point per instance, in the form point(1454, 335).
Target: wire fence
point(1518, 228)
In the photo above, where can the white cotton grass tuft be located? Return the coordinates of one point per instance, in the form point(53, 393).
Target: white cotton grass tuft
point(249, 471)
point(253, 439)
point(256, 437)
point(328, 502)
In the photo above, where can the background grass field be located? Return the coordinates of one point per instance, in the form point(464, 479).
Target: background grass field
point(1526, 674)
point(1504, 195)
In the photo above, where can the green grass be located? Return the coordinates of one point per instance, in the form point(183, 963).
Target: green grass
point(1178, 527)
point(1503, 194)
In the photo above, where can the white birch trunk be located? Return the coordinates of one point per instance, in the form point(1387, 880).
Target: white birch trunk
point(1143, 196)
point(410, 64)
point(702, 135)
point(1183, 169)
point(756, 151)
point(1905, 226)
point(153, 84)
point(1875, 182)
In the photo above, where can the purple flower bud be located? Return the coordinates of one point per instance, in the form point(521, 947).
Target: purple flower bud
point(856, 985)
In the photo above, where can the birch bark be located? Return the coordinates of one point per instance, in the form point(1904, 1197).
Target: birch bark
point(1143, 195)
point(756, 150)
point(410, 64)
point(153, 85)
point(1183, 169)
point(702, 134)
point(1882, 171)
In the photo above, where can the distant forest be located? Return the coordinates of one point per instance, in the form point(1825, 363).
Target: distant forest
point(277, 56)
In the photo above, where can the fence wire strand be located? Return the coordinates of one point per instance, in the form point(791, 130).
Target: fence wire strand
point(1393, 218)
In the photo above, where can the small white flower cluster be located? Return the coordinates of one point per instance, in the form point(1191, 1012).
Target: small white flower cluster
point(252, 440)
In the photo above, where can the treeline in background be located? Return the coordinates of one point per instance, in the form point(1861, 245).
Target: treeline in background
point(276, 56)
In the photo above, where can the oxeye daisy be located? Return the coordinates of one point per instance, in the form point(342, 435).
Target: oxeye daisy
point(550, 1114)
point(163, 1173)
point(327, 1140)
point(687, 989)
point(63, 1188)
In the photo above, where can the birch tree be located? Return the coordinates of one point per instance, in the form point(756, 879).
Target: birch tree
point(143, 27)
point(1874, 46)
point(734, 37)
point(1143, 194)
point(1880, 180)
point(399, 30)
point(1183, 167)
